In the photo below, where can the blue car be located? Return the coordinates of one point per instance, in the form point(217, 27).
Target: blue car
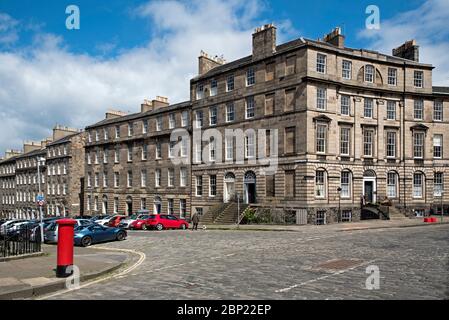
point(87, 235)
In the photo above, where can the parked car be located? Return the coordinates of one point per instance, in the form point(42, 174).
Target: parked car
point(160, 222)
point(87, 235)
point(104, 220)
point(100, 217)
point(126, 223)
point(51, 232)
point(27, 231)
point(82, 217)
point(5, 226)
point(115, 221)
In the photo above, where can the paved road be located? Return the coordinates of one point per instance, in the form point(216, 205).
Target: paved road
point(311, 264)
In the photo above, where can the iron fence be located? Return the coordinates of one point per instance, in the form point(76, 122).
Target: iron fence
point(20, 240)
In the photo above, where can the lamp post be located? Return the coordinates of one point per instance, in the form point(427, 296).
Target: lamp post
point(238, 209)
point(339, 204)
point(442, 208)
point(40, 161)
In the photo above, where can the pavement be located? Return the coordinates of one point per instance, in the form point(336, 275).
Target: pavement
point(310, 263)
point(396, 222)
point(32, 276)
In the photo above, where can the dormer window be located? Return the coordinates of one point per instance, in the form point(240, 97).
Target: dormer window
point(369, 73)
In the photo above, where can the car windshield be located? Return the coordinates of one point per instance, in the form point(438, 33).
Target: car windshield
point(79, 228)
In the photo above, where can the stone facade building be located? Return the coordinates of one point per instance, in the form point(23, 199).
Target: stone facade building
point(65, 172)
point(27, 180)
point(129, 161)
point(8, 183)
point(352, 127)
point(308, 127)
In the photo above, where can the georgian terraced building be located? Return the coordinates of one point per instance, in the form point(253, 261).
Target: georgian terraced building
point(129, 163)
point(8, 183)
point(65, 172)
point(353, 126)
point(343, 129)
point(61, 176)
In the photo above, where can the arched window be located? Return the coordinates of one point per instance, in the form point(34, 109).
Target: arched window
point(392, 184)
point(320, 183)
point(418, 184)
point(229, 177)
point(346, 184)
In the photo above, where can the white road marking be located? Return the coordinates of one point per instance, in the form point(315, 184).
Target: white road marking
point(322, 277)
point(118, 275)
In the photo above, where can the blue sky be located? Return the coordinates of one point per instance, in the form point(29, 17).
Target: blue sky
point(127, 51)
point(116, 25)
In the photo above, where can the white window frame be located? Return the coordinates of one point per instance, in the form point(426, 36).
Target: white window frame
point(346, 73)
point(321, 63)
point(250, 77)
point(392, 77)
point(418, 79)
point(370, 72)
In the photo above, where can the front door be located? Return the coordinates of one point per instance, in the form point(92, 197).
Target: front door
point(369, 191)
point(250, 193)
point(229, 189)
point(129, 208)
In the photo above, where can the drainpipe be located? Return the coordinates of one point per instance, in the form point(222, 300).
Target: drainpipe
point(403, 139)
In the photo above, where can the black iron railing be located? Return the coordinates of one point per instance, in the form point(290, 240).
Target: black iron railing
point(21, 240)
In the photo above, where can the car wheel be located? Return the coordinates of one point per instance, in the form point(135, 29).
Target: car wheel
point(144, 227)
point(121, 236)
point(159, 227)
point(183, 226)
point(86, 241)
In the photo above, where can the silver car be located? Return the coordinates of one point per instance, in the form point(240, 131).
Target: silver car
point(124, 224)
point(51, 232)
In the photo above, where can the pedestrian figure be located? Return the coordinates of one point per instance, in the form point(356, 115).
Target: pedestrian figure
point(195, 221)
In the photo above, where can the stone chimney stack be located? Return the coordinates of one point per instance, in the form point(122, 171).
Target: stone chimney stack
point(409, 50)
point(29, 146)
point(207, 62)
point(264, 41)
point(60, 132)
point(146, 106)
point(112, 114)
point(160, 102)
point(12, 153)
point(335, 38)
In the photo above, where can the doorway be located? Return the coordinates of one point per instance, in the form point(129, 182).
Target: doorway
point(157, 205)
point(370, 186)
point(129, 206)
point(229, 187)
point(250, 187)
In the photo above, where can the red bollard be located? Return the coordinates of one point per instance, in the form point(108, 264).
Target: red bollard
point(64, 266)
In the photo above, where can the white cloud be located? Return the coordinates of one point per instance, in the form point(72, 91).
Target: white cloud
point(8, 29)
point(428, 25)
point(46, 84)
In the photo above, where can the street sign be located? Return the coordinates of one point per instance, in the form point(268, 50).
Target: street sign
point(41, 203)
point(40, 197)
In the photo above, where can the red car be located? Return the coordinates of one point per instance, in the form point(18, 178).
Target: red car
point(115, 221)
point(159, 222)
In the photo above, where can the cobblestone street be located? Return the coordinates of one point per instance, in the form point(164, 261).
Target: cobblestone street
point(308, 264)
